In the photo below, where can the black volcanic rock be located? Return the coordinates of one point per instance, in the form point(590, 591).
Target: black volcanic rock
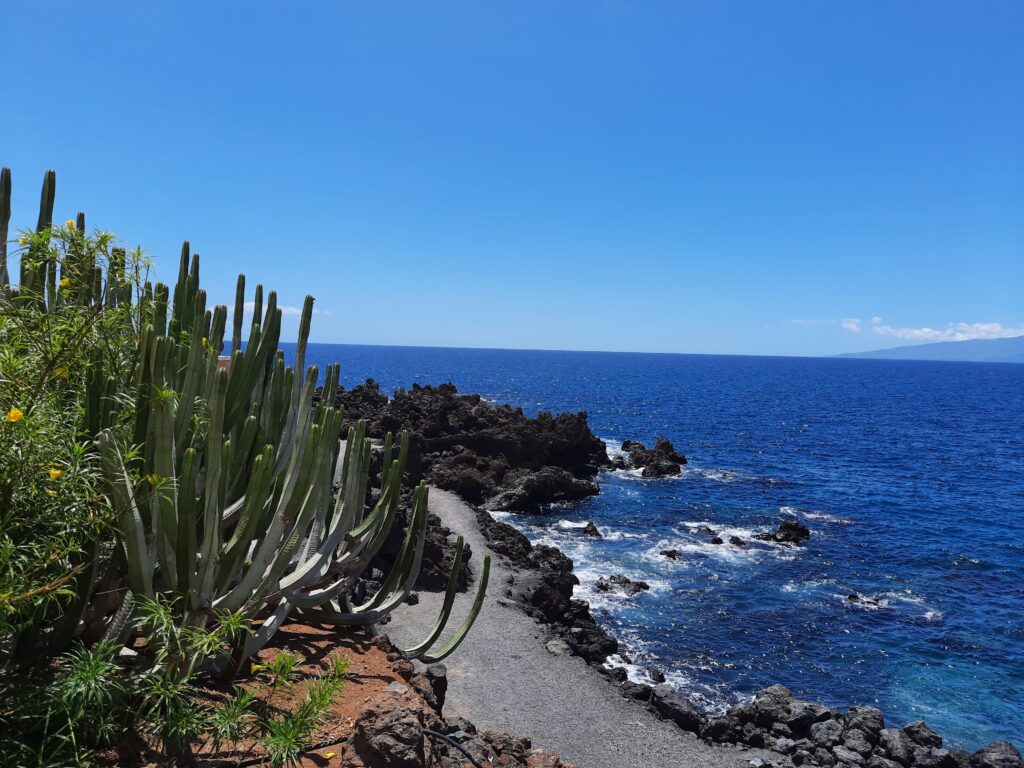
point(619, 583)
point(660, 461)
point(998, 754)
point(481, 450)
point(528, 489)
point(789, 532)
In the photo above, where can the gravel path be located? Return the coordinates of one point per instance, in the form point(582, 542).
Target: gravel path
point(503, 677)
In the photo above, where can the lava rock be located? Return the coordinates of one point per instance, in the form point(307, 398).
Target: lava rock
point(897, 745)
point(591, 530)
point(437, 675)
point(679, 709)
point(921, 734)
point(524, 489)
point(855, 739)
point(827, 734)
point(867, 720)
point(620, 583)
point(660, 461)
point(671, 554)
point(845, 755)
point(771, 705)
point(998, 754)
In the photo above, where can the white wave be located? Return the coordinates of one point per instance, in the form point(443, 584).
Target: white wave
point(571, 525)
point(813, 515)
point(613, 447)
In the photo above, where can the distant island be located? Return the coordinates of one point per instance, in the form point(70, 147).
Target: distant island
point(977, 351)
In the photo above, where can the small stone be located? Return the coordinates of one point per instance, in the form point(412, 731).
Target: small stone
point(397, 688)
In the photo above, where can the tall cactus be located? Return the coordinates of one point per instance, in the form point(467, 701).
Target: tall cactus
point(5, 220)
point(231, 505)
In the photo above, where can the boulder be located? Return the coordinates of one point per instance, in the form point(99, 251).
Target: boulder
point(922, 735)
point(855, 739)
point(437, 676)
point(660, 461)
point(998, 754)
point(721, 730)
point(390, 736)
point(620, 583)
point(591, 530)
point(827, 734)
point(671, 554)
point(771, 705)
point(846, 755)
point(789, 532)
point(636, 691)
point(897, 745)
point(867, 720)
point(679, 709)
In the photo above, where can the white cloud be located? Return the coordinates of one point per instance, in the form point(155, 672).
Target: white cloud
point(952, 332)
point(851, 324)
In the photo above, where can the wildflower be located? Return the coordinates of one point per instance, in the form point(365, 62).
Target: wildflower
point(70, 223)
point(329, 755)
point(56, 473)
point(257, 667)
point(15, 414)
point(65, 282)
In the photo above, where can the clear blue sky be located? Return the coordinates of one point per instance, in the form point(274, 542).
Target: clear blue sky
point(738, 177)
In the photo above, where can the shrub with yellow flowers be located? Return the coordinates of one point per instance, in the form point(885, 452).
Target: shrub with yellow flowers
point(52, 513)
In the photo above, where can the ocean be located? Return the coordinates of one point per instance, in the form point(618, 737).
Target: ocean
point(910, 476)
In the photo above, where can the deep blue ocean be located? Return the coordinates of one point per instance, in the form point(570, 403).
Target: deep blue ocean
point(909, 474)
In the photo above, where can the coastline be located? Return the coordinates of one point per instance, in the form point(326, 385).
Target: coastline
point(494, 457)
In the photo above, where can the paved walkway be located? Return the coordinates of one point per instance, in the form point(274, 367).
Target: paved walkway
point(503, 677)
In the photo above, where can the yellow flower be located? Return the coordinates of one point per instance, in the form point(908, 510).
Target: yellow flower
point(257, 667)
point(70, 223)
point(51, 492)
point(65, 282)
point(56, 473)
point(329, 755)
point(15, 414)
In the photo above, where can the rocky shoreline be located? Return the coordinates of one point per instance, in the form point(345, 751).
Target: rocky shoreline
point(495, 457)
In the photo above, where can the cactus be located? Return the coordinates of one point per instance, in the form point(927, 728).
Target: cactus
point(5, 220)
point(231, 504)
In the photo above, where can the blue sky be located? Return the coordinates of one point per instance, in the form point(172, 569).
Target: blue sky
point(737, 177)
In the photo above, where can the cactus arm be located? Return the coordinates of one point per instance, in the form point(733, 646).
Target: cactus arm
point(236, 334)
point(5, 220)
point(132, 532)
point(446, 607)
point(300, 347)
point(456, 640)
point(187, 518)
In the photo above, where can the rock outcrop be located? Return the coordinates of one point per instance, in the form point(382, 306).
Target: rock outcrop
point(660, 461)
